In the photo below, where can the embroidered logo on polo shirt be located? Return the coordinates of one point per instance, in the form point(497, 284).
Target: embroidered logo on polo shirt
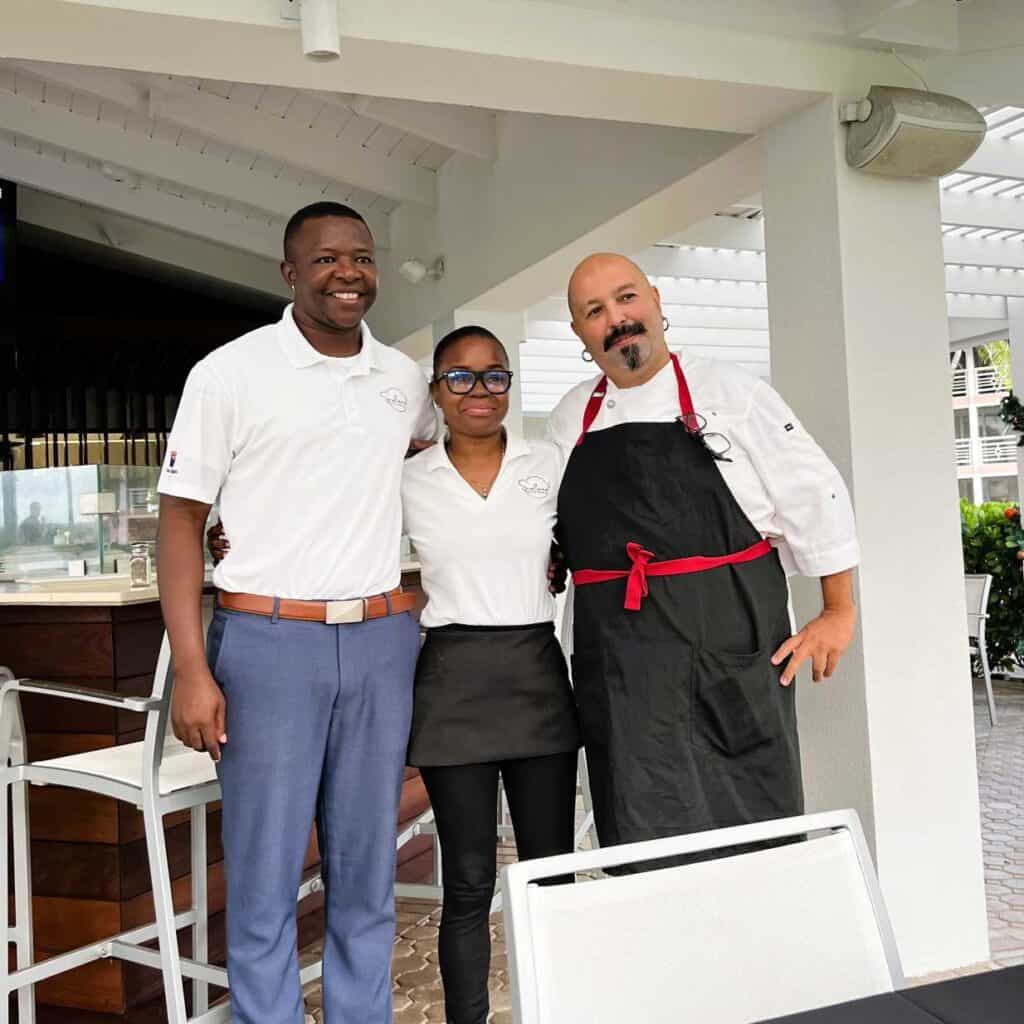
point(535, 486)
point(395, 397)
point(172, 459)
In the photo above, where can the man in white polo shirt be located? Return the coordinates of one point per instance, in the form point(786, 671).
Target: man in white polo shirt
point(304, 693)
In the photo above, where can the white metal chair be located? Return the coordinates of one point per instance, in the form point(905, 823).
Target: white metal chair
point(748, 936)
point(158, 775)
point(978, 588)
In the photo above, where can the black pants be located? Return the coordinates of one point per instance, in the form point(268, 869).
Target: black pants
point(541, 794)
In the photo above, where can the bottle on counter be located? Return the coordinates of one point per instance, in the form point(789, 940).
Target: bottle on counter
point(140, 567)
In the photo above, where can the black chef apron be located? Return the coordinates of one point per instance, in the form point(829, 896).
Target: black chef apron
point(684, 721)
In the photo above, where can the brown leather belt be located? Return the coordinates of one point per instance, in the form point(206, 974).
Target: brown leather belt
point(331, 612)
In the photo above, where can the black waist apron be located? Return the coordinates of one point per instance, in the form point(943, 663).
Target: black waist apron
point(679, 606)
point(491, 693)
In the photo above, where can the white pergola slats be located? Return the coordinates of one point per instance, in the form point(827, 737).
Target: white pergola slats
point(979, 211)
point(967, 306)
point(703, 261)
point(1003, 281)
point(706, 291)
point(996, 250)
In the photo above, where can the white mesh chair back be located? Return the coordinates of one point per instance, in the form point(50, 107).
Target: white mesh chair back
point(976, 588)
point(744, 938)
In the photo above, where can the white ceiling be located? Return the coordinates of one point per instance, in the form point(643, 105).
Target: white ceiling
point(938, 25)
point(223, 160)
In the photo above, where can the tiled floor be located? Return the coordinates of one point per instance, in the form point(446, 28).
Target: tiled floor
point(1001, 787)
point(417, 986)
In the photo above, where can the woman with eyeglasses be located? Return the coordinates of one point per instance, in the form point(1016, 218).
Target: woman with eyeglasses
point(492, 695)
point(492, 690)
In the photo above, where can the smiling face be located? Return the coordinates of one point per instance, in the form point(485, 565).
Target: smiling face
point(480, 413)
point(616, 313)
point(332, 267)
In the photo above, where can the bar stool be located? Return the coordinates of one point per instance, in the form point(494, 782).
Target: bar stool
point(159, 775)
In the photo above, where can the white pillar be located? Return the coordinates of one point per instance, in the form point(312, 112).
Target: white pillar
point(510, 328)
point(859, 344)
point(1015, 321)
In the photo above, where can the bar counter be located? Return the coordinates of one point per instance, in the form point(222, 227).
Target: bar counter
point(89, 868)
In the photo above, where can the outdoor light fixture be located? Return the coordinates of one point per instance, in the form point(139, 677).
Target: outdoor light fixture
point(416, 271)
point(319, 22)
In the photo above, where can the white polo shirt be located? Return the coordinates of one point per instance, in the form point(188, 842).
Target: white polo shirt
point(305, 453)
point(779, 476)
point(484, 561)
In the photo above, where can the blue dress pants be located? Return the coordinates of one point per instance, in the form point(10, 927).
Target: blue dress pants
point(317, 722)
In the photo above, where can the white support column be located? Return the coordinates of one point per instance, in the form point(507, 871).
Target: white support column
point(1015, 318)
point(859, 347)
point(511, 329)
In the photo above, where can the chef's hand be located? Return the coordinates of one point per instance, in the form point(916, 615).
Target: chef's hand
point(822, 642)
point(558, 571)
point(217, 543)
point(198, 711)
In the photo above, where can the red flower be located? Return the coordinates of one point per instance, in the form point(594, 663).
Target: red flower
point(1011, 513)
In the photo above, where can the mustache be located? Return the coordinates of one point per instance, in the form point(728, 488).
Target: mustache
point(623, 331)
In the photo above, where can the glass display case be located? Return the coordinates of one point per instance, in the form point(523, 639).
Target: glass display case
point(75, 520)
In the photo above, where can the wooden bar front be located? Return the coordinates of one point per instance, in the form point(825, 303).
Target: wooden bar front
point(90, 871)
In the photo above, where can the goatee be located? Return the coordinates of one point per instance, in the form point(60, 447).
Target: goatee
point(631, 356)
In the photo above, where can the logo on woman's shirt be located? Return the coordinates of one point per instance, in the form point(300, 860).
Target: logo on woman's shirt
point(535, 486)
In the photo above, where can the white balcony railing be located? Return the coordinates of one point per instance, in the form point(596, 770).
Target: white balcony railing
point(998, 449)
point(962, 447)
point(987, 380)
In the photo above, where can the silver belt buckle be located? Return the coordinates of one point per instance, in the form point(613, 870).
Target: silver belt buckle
point(340, 612)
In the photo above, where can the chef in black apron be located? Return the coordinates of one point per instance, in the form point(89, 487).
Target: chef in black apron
point(682, 640)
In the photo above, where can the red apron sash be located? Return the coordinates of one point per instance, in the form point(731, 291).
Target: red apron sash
point(636, 577)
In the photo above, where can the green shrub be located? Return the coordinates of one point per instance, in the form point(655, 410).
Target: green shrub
point(992, 536)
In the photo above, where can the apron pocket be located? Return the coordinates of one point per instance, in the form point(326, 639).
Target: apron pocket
point(732, 701)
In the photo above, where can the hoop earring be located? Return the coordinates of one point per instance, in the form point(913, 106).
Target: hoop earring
point(586, 356)
point(665, 325)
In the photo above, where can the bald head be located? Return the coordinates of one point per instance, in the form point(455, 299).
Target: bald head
point(596, 270)
point(616, 313)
